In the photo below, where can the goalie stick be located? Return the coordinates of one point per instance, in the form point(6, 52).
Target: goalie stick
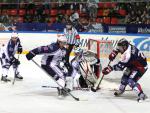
point(77, 99)
point(98, 82)
point(86, 75)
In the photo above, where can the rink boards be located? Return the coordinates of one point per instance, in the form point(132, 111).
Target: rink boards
point(31, 40)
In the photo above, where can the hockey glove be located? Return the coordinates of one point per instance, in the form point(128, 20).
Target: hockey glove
point(113, 55)
point(30, 55)
point(20, 50)
point(15, 62)
point(107, 70)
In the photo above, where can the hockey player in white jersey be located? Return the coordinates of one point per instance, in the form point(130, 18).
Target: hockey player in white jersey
point(53, 54)
point(135, 65)
point(7, 57)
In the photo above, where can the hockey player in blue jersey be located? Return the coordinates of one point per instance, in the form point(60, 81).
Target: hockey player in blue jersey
point(53, 54)
point(7, 57)
point(133, 62)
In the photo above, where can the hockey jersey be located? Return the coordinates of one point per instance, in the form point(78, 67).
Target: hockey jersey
point(133, 59)
point(72, 36)
point(52, 54)
point(8, 51)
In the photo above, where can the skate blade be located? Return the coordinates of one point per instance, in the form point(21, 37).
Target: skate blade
point(17, 79)
point(142, 101)
point(4, 82)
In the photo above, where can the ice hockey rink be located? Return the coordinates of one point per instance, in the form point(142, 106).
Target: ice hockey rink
point(28, 96)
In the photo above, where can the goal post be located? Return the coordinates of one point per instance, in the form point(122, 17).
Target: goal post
point(102, 49)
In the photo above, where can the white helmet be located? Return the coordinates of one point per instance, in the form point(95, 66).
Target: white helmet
point(14, 34)
point(62, 38)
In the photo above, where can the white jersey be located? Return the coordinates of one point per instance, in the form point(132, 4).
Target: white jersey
point(54, 57)
point(8, 51)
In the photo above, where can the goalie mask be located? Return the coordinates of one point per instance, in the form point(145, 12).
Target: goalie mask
point(78, 51)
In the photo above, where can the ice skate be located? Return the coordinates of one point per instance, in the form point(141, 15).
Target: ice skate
point(60, 93)
point(118, 92)
point(142, 97)
point(65, 91)
point(5, 79)
point(18, 76)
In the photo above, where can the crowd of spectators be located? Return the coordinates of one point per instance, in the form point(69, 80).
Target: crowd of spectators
point(138, 13)
point(85, 15)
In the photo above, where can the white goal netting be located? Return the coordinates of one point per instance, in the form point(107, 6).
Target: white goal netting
point(102, 49)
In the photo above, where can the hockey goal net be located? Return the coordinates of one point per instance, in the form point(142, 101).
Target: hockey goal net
point(102, 49)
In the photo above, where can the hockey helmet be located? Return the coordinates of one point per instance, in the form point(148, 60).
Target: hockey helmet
point(78, 51)
point(14, 34)
point(122, 45)
point(123, 42)
point(62, 39)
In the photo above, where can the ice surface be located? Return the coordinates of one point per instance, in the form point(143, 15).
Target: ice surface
point(28, 96)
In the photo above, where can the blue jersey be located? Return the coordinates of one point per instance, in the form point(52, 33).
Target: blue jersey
point(9, 50)
point(52, 53)
point(133, 59)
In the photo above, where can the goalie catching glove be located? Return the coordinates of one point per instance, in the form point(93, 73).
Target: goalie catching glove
point(107, 70)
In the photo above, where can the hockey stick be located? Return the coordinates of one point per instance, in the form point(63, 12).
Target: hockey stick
point(86, 75)
point(15, 73)
point(74, 88)
point(44, 86)
point(77, 99)
point(98, 82)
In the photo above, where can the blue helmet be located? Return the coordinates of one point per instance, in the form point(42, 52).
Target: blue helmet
point(123, 42)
